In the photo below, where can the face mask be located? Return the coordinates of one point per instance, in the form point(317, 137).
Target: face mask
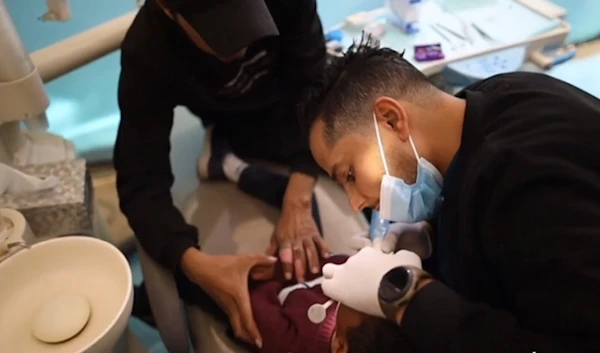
point(400, 202)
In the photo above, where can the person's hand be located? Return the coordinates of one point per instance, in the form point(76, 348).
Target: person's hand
point(225, 279)
point(356, 282)
point(262, 272)
point(297, 241)
point(415, 237)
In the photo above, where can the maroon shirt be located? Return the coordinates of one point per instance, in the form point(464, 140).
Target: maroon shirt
point(285, 328)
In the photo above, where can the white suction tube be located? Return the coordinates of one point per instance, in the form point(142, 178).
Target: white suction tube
point(72, 53)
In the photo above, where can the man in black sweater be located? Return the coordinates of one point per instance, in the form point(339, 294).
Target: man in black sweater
point(508, 170)
point(239, 65)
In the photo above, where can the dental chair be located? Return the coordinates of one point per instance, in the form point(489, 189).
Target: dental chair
point(230, 221)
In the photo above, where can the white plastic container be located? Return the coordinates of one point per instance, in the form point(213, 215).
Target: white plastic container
point(405, 14)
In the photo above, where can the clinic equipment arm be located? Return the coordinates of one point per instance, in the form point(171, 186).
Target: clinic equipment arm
point(142, 163)
point(540, 237)
point(304, 58)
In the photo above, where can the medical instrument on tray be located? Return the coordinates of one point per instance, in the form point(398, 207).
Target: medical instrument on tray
point(318, 312)
point(482, 34)
point(452, 42)
point(451, 31)
point(548, 58)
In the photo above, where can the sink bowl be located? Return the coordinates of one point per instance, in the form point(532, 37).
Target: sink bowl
point(84, 266)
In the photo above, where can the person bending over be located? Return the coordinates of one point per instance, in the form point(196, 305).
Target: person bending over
point(508, 171)
point(240, 66)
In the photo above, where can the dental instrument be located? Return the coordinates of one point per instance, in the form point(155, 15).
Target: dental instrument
point(378, 229)
point(548, 58)
point(438, 31)
point(451, 31)
point(318, 312)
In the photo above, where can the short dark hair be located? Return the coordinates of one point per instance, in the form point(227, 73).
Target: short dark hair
point(376, 335)
point(354, 80)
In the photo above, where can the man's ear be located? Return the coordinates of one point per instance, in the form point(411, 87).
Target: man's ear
point(393, 116)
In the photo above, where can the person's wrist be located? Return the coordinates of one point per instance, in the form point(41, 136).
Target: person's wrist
point(297, 204)
point(299, 192)
point(192, 259)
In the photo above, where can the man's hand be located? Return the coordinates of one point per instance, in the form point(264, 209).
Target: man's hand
point(356, 282)
point(296, 235)
point(225, 279)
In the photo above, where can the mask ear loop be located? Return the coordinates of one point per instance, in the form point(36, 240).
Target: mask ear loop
point(412, 144)
point(381, 153)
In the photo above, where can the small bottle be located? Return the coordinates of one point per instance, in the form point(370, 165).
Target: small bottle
point(405, 14)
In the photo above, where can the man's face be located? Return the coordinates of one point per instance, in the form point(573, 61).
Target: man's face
point(354, 160)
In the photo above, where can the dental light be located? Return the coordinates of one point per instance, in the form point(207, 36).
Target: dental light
point(22, 93)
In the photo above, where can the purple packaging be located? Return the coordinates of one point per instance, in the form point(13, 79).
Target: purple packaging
point(429, 52)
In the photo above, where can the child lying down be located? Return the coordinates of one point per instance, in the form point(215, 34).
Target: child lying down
point(280, 309)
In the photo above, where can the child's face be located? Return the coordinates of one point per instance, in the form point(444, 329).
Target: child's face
point(346, 319)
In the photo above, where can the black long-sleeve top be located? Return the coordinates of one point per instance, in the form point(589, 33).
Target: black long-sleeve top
point(518, 239)
point(162, 69)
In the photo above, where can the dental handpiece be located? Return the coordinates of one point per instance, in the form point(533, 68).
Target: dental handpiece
point(318, 312)
point(378, 228)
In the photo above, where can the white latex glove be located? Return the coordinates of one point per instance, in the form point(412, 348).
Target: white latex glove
point(356, 282)
point(359, 241)
point(415, 237)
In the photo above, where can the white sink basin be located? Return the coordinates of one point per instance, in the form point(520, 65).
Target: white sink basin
point(84, 266)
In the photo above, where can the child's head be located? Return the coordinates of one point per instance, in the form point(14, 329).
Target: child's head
point(360, 333)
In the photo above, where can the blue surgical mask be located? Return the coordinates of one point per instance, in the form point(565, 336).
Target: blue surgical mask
point(400, 202)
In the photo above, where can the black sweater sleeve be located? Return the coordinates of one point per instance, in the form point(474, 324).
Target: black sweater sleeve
point(304, 58)
point(141, 160)
point(540, 234)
